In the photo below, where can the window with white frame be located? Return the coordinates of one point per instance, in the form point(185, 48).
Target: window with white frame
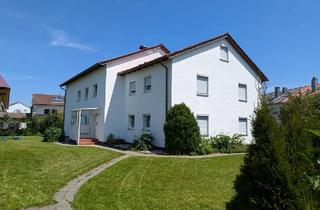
point(147, 84)
point(95, 90)
point(146, 121)
point(224, 53)
point(243, 126)
point(86, 93)
point(202, 85)
point(79, 95)
point(203, 122)
point(131, 122)
point(243, 92)
point(132, 88)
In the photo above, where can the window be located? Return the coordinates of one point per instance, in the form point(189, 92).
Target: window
point(132, 88)
point(242, 92)
point(46, 111)
point(203, 125)
point(224, 54)
point(95, 90)
point(54, 111)
point(147, 84)
point(74, 118)
point(79, 95)
point(86, 93)
point(131, 122)
point(202, 85)
point(146, 121)
point(243, 126)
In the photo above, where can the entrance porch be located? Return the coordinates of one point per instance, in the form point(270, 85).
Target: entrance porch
point(83, 126)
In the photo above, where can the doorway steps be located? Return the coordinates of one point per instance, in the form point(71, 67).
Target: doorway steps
point(88, 141)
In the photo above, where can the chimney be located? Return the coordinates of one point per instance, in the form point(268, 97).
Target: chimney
point(284, 90)
point(142, 47)
point(314, 84)
point(276, 92)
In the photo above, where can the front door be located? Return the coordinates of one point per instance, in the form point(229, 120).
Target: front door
point(85, 124)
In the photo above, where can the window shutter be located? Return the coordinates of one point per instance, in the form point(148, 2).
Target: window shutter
point(202, 85)
point(243, 126)
point(203, 125)
point(242, 92)
point(224, 53)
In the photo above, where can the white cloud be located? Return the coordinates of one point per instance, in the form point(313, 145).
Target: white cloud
point(60, 38)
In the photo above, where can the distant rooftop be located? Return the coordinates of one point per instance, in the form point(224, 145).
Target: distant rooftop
point(284, 94)
point(45, 99)
point(3, 83)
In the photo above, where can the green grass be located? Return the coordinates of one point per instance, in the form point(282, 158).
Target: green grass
point(31, 171)
point(162, 183)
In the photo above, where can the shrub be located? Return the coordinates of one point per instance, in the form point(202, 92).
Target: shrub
point(206, 147)
point(52, 134)
point(264, 180)
point(142, 142)
point(182, 135)
point(228, 144)
point(40, 123)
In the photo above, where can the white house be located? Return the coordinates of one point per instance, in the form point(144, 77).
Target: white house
point(18, 107)
point(43, 104)
point(132, 93)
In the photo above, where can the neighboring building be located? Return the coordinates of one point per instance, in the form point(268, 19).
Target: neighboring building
point(18, 107)
point(4, 94)
point(132, 93)
point(281, 96)
point(45, 104)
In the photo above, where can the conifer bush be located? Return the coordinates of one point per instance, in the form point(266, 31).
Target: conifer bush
point(264, 182)
point(182, 135)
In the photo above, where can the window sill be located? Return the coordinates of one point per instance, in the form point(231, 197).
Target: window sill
point(203, 95)
point(131, 129)
point(226, 61)
point(146, 129)
point(132, 94)
point(244, 101)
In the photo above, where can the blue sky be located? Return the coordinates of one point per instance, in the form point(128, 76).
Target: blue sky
point(43, 43)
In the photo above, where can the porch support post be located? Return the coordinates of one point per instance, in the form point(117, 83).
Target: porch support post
point(79, 126)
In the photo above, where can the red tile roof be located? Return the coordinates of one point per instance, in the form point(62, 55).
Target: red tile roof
point(44, 99)
point(284, 97)
point(101, 63)
point(3, 83)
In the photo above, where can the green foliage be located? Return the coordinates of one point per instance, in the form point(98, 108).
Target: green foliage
point(226, 144)
point(40, 123)
point(297, 118)
point(110, 137)
point(263, 182)
point(182, 135)
point(52, 134)
point(206, 147)
point(142, 142)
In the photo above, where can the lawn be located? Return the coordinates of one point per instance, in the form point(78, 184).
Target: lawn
point(31, 171)
point(162, 183)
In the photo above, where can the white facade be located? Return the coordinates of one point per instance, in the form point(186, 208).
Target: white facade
point(42, 109)
point(126, 114)
point(18, 108)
